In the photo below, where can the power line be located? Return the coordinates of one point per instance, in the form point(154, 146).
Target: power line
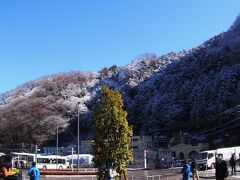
point(217, 127)
point(236, 109)
point(224, 130)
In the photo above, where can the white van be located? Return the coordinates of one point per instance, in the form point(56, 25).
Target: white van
point(207, 159)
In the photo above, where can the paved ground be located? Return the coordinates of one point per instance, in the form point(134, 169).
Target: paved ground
point(210, 174)
point(163, 174)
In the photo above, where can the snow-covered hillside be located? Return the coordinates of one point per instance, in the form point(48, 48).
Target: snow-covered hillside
point(188, 87)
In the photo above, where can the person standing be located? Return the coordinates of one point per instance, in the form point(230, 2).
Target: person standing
point(233, 163)
point(6, 171)
point(185, 170)
point(112, 172)
point(221, 168)
point(194, 169)
point(33, 172)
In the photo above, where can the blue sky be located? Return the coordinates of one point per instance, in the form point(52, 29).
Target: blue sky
point(38, 38)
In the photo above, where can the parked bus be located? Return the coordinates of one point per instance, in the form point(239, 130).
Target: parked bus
point(51, 162)
point(85, 160)
point(24, 160)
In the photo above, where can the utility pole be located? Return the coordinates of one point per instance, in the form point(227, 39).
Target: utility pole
point(36, 150)
point(72, 159)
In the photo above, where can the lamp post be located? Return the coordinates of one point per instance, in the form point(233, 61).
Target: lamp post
point(72, 160)
point(78, 145)
point(145, 158)
point(57, 147)
point(36, 150)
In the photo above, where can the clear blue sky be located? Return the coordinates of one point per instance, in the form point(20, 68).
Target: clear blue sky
point(38, 38)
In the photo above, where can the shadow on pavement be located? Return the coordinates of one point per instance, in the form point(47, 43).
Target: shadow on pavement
point(208, 177)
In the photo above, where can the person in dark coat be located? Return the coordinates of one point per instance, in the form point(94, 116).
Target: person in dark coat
point(194, 169)
point(221, 168)
point(233, 163)
point(6, 171)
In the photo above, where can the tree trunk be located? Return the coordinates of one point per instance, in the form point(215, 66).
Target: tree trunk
point(125, 175)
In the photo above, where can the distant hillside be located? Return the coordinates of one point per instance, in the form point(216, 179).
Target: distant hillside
point(175, 91)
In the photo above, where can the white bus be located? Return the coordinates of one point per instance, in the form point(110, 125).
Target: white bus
point(85, 160)
point(51, 162)
point(24, 160)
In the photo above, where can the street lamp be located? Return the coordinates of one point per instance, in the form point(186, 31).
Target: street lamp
point(145, 158)
point(57, 146)
point(78, 145)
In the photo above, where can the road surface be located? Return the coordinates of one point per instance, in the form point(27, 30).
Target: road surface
point(162, 174)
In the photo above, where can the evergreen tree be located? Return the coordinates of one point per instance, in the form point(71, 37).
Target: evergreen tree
point(113, 134)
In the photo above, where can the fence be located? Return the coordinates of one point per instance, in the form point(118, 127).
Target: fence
point(168, 174)
point(89, 177)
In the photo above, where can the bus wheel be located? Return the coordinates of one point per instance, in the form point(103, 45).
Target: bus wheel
point(60, 167)
point(44, 167)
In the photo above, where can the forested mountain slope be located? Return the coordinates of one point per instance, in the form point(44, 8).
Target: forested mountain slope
point(176, 91)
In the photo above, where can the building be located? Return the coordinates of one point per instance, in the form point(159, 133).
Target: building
point(139, 144)
point(142, 142)
point(182, 151)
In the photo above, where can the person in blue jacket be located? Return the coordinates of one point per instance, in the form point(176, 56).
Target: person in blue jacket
point(34, 173)
point(186, 170)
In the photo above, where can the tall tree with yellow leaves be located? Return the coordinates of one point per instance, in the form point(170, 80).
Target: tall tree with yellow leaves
point(113, 134)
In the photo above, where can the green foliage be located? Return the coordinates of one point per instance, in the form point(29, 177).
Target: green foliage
point(113, 134)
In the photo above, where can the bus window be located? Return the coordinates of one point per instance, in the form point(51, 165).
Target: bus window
point(61, 161)
point(53, 161)
point(39, 160)
point(30, 158)
point(45, 160)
